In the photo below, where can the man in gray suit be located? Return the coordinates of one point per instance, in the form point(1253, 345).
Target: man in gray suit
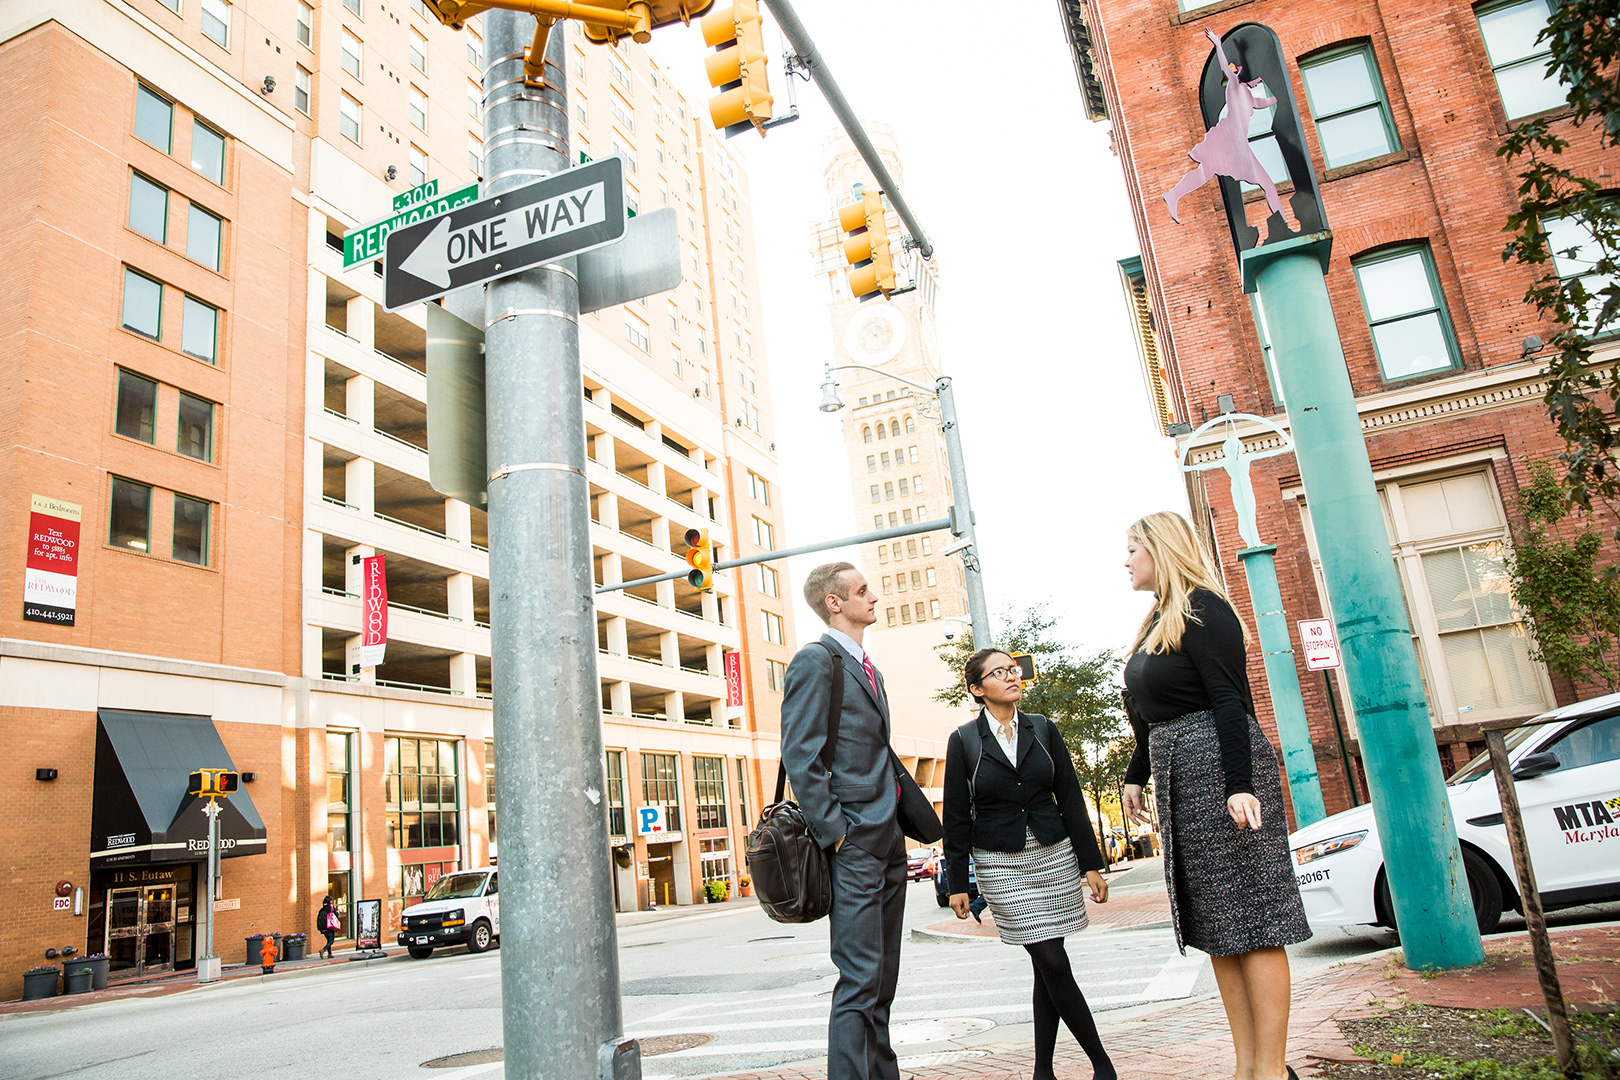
point(851, 812)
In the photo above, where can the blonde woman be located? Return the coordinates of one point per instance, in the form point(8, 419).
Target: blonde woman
point(1232, 888)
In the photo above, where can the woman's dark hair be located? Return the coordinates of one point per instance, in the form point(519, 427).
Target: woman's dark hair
point(973, 670)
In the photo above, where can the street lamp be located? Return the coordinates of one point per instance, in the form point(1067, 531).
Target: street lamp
point(962, 511)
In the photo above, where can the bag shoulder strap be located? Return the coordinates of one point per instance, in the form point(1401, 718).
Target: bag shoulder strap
point(973, 748)
point(835, 712)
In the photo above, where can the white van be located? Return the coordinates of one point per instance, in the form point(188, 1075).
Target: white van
point(461, 908)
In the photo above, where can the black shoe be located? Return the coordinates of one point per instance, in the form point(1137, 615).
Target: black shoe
point(1291, 1074)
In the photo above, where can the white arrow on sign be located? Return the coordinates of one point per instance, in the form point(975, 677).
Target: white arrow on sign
point(445, 248)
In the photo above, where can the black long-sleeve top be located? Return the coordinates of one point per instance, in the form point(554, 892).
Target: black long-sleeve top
point(1209, 671)
point(1039, 792)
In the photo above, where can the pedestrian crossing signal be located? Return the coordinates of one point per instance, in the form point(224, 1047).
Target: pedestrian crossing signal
point(700, 557)
point(737, 67)
point(212, 783)
point(871, 270)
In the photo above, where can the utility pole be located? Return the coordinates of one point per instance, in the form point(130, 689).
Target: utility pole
point(208, 963)
point(561, 1014)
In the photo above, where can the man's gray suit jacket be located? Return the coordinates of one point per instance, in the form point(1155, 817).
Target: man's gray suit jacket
point(857, 798)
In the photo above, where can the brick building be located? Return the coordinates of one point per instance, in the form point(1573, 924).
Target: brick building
point(194, 374)
point(1403, 110)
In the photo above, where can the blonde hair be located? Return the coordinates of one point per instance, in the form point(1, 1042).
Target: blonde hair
point(1180, 565)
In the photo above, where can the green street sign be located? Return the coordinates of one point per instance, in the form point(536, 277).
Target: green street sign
point(419, 193)
point(365, 242)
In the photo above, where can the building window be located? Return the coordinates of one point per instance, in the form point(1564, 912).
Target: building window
point(339, 786)
point(199, 330)
point(208, 151)
point(675, 360)
point(913, 451)
point(352, 5)
point(889, 615)
point(769, 583)
point(350, 54)
point(621, 111)
point(871, 463)
point(475, 100)
point(877, 494)
point(129, 521)
point(927, 546)
point(906, 516)
point(306, 25)
point(475, 50)
point(916, 485)
point(191, 530)
point(1400, 293)
point(301, 89)
point(154, 119)
point(715, 857)
point(1346, 98)
point(475, 154)
point(888, 489)
point(419, 167)
point(742, 791)
point(900, 582)
point(204, 232)
point(419, 109)
point(661, 786)
point(758, 486)
point(888, 585)
point(904, 487)
point(866, 434)
point(877, 521)
point(883, 554)
point(143, 304)
point(635, 332)
point(489, 794)
point(773, 628)
point(709, 786)
point(1575, 251)
point(349, 118)
point(905, 614)
point(419, 793)
point(619, 71)
point(196, 434)
point(216, 22)
point(933, 609)
point(615, 795)
point(928, 575)
point(137, 400)
point(148, 208)
point(418, 51)
point(894, 519)
point(911, 425)
point(1522, 65)
point(776, 675)
point(884, 457)
point(764, 535)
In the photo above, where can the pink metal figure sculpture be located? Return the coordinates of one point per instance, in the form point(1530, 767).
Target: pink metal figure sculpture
point(1225, 150)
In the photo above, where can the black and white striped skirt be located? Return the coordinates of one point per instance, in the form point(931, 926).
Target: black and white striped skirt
point(1034, 894)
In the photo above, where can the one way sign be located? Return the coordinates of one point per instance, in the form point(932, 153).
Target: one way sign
point(565, 214)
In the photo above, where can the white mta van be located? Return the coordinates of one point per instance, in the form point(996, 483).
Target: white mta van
point(461, 908)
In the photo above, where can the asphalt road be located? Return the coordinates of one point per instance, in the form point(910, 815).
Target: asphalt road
point(717, 990)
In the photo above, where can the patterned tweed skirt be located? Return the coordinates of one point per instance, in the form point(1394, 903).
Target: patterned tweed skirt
point(1231, 890)
point(1034, 894)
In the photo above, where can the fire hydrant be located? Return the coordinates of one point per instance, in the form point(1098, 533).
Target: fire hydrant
point(267, 954)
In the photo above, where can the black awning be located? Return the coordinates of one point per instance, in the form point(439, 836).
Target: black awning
point(141, 811)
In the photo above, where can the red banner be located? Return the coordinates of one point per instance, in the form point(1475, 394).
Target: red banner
point(51, 574)
point(373, 611)
point(734, 689)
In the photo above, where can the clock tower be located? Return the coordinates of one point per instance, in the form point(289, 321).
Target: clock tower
point(897, 465)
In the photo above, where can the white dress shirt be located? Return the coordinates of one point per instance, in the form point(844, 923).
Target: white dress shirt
point(1009, 745)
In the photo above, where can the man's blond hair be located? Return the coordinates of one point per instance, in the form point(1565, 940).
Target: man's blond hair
point(824, 582)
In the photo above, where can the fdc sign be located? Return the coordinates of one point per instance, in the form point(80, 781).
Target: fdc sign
point(650, 821)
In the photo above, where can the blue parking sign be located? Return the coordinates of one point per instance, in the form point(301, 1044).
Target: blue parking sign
point(649, 820)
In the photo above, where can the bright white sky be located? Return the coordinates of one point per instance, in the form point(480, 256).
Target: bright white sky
point(1025, 204)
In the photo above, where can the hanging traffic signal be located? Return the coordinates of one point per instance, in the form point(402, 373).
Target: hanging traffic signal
point(867, 246)
point(644, 16)
point(737, 67)
point(212, 783)
point(700, 557)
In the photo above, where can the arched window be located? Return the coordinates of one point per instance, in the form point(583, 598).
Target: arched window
point(894, 428)
point(881, 433)
point(911, 425)
point(866, 434)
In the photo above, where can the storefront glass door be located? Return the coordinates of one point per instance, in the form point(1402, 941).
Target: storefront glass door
point(140, 929)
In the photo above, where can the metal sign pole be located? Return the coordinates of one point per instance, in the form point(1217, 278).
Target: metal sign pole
point(208, 963)
point(978, 607)
point(560, 987)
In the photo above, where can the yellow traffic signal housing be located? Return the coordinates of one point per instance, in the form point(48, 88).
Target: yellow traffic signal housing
point(700, 557)
point(867, 246)
point(1026, 666)
point(737, 67)
point(647, 17)
point(211, 783)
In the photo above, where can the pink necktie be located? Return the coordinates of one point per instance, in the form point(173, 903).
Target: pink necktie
point(866, 662)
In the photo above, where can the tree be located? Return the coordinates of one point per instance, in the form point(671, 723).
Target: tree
point(1574, 607)
point(1554, 196)
point(1078, 693)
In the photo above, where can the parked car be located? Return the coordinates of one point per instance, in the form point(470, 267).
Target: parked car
point(920, 863)
point(1566, 764)
point(460, 908)
point(942, 889)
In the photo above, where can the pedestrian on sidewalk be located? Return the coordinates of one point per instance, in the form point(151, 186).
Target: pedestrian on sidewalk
point(1012, 800)
point(1232, 888)
point(328, 922)
point(859, 804)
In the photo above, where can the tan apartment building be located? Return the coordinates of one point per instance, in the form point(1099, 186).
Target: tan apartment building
point(234, 419)
point(898, 473)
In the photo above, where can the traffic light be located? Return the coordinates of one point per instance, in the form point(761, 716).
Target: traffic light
point(700, 557)
point(646, 16)
point(737, 67)
point(211, 783)
point(1026, 667)
point(867, 246)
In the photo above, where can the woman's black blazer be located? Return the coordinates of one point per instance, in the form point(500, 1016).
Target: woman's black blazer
point(1040, 793)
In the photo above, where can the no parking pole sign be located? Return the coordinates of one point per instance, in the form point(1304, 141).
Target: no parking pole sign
point(1320, 644)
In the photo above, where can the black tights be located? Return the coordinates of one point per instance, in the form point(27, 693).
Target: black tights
point(1058, 996)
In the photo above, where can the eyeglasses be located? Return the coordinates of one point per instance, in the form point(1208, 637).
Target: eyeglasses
point(1009, 674)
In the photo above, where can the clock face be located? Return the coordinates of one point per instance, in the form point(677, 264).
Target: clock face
point(875, 335)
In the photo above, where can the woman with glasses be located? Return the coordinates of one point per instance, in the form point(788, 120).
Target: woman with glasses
point(1013, 802)
point(1232, 888)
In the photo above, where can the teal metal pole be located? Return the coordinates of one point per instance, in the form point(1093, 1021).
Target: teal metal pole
point(1425, 870)
point(1282, 682)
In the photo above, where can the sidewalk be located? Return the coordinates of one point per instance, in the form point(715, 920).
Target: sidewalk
point(1190, 1041)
